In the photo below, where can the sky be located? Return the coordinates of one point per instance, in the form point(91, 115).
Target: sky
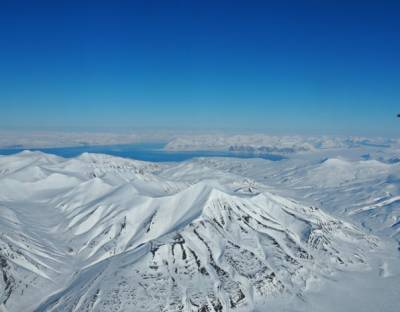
point(272, 66)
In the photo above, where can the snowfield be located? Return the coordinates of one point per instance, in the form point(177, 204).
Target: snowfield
point(318, 231)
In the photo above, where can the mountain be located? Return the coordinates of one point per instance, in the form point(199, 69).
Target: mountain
point(363, 192)
point(101, 233)
point(264, 143)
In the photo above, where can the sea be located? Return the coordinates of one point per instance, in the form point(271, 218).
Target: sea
point(153, 152)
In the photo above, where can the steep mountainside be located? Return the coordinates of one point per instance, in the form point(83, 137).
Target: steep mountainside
point(100, 233)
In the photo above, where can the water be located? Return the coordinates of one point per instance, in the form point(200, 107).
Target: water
point(148, 152)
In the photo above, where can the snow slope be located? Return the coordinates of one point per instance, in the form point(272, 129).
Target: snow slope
point(364, 192)
point(101, 233)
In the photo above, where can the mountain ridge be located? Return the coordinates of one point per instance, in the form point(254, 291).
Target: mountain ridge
point(121, 235)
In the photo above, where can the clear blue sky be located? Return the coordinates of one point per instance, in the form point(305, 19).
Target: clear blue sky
point(297, 66)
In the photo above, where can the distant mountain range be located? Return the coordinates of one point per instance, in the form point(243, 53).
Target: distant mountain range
point(263, 143)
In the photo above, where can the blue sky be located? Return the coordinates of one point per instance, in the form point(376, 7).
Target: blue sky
point(293, 67)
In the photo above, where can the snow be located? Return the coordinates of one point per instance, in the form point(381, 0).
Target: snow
point(43, 139)
point(264, 143)
point(102, 233)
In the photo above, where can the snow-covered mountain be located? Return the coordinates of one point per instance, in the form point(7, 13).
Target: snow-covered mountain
point(264, 143)
point(100, 233)
point(364, 192)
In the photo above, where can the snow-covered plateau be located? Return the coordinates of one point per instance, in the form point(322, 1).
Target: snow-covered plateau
point(318, 231)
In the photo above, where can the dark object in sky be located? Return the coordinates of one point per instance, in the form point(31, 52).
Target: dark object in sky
point(398, 115)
